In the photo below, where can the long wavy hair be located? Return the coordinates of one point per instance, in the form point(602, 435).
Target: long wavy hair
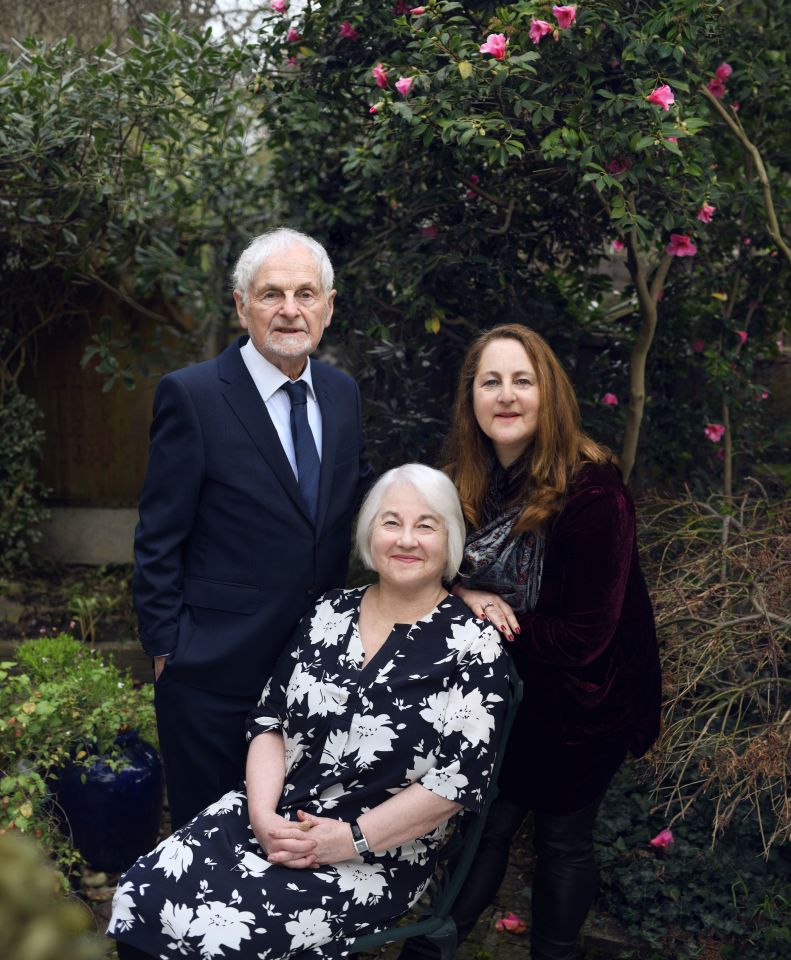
point(559, 447)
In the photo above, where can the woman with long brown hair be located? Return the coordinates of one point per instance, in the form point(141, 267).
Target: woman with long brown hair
point(551, 560)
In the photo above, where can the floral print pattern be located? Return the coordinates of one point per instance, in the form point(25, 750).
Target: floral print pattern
point(423, 710)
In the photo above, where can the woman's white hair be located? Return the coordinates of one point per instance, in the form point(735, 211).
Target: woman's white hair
point(261, 248)
point(437, 489)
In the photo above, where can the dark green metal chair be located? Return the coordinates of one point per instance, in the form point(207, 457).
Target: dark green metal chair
point(435, 921)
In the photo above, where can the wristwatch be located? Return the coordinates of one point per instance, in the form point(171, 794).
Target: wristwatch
point(358, 839)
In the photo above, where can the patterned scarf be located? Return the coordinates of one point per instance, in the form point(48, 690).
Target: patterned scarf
point(494, 559)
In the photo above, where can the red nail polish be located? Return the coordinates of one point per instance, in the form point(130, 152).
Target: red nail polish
point(510, 636)
point(503, 627)
point(517, 629)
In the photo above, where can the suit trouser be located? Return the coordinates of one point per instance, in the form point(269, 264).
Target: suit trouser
point(201, 738)
point(564, 884)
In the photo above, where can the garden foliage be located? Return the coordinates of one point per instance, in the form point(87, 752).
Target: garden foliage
point(21, 493)
point(479, 162)
point(60, 703)
point(129, 172)
point(686, 900)
point(721, 578)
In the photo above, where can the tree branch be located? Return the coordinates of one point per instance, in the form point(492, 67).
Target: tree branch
point(738, 130)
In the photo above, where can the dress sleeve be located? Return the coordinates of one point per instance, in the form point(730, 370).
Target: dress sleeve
point(596, 544)
point(270, 711)
point(469, 714)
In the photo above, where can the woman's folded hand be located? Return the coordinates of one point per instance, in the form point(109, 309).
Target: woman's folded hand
point(333, 838)
point(285, 842)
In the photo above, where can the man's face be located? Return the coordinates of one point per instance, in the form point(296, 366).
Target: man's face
point(287, 310)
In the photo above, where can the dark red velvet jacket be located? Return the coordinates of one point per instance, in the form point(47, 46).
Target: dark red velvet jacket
point(587, 654)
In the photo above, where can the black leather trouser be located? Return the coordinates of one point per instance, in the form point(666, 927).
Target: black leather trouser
point(564, 884)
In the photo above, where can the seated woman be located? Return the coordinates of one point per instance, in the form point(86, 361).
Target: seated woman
point(376, 727)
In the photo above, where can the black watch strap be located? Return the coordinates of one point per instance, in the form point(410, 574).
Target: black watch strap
point(358, 838)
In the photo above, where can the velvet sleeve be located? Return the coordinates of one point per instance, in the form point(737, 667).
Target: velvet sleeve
point(589, 552)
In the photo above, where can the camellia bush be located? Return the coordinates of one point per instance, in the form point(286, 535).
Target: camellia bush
point(568, 166)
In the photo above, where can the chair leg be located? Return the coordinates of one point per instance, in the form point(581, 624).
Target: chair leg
point(446, 939)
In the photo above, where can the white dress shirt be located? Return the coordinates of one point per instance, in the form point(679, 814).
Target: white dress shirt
point(268, 381)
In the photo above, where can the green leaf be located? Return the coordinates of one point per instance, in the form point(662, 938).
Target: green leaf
point(465, 69)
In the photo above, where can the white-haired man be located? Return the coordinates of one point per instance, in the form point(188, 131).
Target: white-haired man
point(257, 463)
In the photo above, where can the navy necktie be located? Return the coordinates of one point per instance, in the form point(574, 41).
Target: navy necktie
point(308, 463)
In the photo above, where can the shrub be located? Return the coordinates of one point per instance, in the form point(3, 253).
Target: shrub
point(60, 703)
point(678, 900)
point(20, 493)
point(720, 581)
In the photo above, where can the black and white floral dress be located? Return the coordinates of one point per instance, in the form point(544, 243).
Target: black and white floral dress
point(424, 709)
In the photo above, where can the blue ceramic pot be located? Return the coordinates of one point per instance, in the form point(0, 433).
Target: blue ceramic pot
point(114, 815)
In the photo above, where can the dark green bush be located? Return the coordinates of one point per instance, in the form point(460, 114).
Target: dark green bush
point(21, 510)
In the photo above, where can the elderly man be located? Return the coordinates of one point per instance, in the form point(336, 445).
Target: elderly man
point(256, 465)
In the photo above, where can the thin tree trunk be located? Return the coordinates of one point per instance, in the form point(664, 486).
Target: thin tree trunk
point(647, 298)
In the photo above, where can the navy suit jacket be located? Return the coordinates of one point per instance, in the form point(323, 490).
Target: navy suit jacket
point(227, 559)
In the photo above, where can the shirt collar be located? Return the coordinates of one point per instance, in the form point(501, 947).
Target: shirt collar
point(269, 379)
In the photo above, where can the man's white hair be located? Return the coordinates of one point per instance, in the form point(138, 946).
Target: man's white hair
point(440, 495)
point(261, 248)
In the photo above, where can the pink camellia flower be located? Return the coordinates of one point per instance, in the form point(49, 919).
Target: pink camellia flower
point(706, 212)
point(746, 241)
point(672, 139)
point(714, 432)
point(374, 108)
point(618, 165)
point(742, 335)
point(736, 106)
point(610, 400)
point(617, 244)
point(495, 45)
point(292, 36)
point(663, 839)
point(416, 11)
point(764, 395)
point(511, 924)
point(565, 16)
point(292, 62)
point(663, 97)
point(698, 345)
point(279, 6)
point(380, 75)
point(539, 29)
point(681, 246)
point(347, 31)
point(403, 85)
point(474, 178)
point(716, 88)
point(723, 71)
